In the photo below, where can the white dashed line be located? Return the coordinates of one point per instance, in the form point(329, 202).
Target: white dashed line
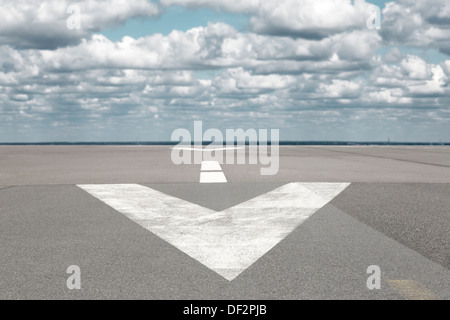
point(211, 166)
point(212, 173)
point(212, 177)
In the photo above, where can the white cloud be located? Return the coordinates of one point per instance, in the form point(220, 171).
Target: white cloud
point(217, 46)
point(418, 23)
point(236, 6)
point(434, 85)
point(43, 24)
point(339, 89)
point(240, 81)
point(298, 60)
point(310, 19)
point(391, 96)
point(415, 68)
point(393, 56)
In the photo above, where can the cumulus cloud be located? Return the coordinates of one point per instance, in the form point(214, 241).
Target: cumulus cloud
point(43, 24)
point(217, 46)
point(418, 23)
point(393, 56)
point(302, 63)
point(310, 19)
point(341, 89)
point(99, 75)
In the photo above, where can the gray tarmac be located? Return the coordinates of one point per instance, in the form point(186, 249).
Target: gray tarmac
point(395, 214)
point(44, 165)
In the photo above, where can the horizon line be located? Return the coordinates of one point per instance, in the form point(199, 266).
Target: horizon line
point(206, 143)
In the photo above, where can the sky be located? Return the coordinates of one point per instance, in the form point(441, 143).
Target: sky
point(136, 70)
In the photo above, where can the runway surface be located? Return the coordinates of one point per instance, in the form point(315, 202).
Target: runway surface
point(140, 227)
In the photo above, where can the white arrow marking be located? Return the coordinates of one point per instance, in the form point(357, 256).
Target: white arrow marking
point(227, 242)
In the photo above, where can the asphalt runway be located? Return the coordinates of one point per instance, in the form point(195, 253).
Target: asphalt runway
point(140, 227)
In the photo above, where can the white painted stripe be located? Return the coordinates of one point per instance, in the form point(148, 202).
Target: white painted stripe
point(211, 166)
point(212, 177)
point(227, 242)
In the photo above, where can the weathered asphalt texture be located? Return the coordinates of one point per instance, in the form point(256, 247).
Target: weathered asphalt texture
point(395, 214)
point(44, 165)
